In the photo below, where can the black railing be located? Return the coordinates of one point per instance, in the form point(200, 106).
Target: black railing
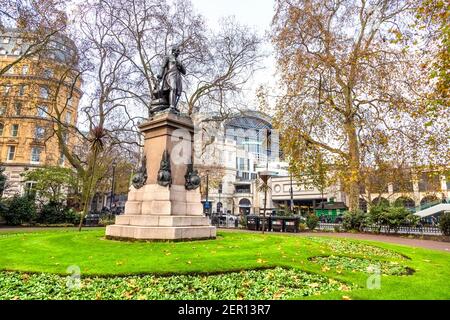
point(273, 223)
point(423, 230)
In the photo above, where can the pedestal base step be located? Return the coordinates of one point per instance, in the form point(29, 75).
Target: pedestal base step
point(128, 232)
point(161, 221)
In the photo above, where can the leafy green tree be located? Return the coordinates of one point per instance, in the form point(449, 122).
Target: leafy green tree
point(51, 183)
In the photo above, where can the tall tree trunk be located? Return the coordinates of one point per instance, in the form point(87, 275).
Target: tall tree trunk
point(354, 166)
point(88, 191)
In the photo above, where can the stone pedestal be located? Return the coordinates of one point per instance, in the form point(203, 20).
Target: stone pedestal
point(155, 212)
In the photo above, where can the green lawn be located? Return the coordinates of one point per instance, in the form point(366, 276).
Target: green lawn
point(126, 263)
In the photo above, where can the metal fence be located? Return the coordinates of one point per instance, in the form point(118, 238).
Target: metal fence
point(231, 221)
point(421, 230)
point(224, 221)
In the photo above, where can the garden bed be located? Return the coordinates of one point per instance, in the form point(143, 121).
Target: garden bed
point(277, 283)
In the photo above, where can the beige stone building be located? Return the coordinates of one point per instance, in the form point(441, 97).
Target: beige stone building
point(35, 92)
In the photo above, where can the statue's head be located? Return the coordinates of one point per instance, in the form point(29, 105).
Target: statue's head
point(176, 51)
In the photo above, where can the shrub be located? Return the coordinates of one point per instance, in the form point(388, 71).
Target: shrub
point(395, 217)
point(301, 227)
point(51, 213)
point(56, 213)
point(354, 220)
point(377, 216)
point(242, 221)
point(444, 223)
point(107, 220)
point(19, 210)
point(311, 221)
point(72, 216)
point(3, 209)
point(337, 228)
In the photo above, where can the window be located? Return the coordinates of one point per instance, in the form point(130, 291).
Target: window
point(43, 92)
point(39, 132)
point(11, 153)
point(35, 154)
point(2, 109)
point(2, 126)
point(22, 90)
point(10, 70)
point(14, 130)
point(65, 137)
point(42, 111)
point(30, 188)
point(68, 117)
point(17, 52)
point(240, 163)
point(6, 39)
point(243, 188)
point(70, 101)
point(48, 73)
point(17, 108)
point(7, 90)
point(24, 70)
point(19, 41)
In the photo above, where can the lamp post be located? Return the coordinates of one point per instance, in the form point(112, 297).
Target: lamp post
point(220, 192)
point(207, 192)
point(265, 176)
point(292, 197)
point(112, 185)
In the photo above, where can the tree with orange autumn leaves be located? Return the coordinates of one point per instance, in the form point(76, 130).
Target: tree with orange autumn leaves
point(352, 88)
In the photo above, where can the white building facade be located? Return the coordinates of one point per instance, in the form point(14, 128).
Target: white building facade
point(241, 147)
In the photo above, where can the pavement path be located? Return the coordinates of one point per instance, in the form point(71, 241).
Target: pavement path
point(427, 244)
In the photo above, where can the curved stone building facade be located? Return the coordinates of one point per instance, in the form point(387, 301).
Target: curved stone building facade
point(35, 92)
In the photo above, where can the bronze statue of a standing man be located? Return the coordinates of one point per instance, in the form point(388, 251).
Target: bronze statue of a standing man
point(171, 71)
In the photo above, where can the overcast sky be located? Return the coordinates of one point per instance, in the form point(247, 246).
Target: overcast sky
point(254, 13)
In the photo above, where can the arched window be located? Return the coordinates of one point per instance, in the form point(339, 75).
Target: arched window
point(244, 206)
point(362, 204)
point(244, 203)
point(380, 201)
point(428, 199)
point(405, 202)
